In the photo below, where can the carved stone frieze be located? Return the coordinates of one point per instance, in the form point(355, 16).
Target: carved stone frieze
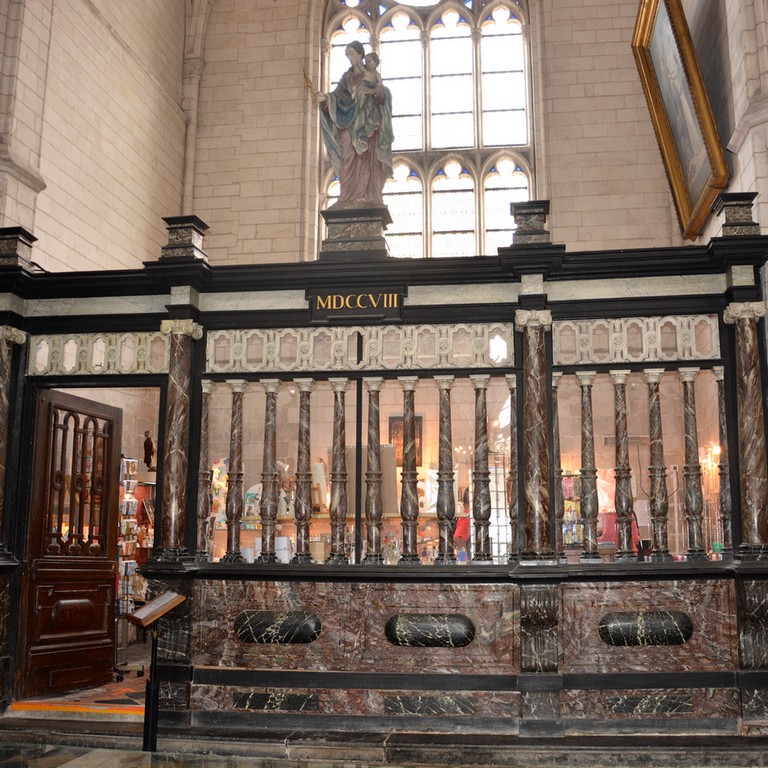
point(86, 354)
point(414, 347)
point(636, 339)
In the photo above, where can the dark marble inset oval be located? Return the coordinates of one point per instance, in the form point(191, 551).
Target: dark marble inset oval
point(430, 630)
point(284, 627)
point(643, 628)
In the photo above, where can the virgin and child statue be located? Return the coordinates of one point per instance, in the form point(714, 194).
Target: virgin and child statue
point(356, 121)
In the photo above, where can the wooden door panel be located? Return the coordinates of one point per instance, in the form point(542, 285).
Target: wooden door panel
point(68, 596)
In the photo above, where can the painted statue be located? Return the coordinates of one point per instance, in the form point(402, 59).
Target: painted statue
point(356, 121)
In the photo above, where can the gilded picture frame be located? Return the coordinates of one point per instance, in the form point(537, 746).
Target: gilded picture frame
point(681, 114)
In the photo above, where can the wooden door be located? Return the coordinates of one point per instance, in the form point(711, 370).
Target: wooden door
point(68, 587)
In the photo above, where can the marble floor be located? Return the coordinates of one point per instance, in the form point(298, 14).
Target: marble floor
point(49, 756)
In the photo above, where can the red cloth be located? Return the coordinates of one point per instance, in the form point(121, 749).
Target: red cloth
point(462, 528)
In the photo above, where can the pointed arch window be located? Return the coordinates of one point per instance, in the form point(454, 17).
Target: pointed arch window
point(460, 91)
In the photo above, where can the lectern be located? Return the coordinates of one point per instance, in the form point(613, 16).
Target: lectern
point(145, 617)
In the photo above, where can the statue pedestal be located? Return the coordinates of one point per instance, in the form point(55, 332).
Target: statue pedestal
point(355, 234)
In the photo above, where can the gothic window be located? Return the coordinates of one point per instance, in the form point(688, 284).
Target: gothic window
point(457, 70)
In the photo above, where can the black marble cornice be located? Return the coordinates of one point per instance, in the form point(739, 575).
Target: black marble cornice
point(55, 285)
point(740, 250)
point(484, 574)
point(532, 259)
point(170, 272)
point(643, 305)
point(389, 273)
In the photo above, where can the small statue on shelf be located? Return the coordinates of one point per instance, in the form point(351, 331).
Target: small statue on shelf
point(149, 451)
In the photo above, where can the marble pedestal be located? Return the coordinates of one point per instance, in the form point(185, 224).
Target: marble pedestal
point(355, 234)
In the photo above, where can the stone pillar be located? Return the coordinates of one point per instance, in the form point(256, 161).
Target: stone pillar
point(513, 509)
point(409, 499)
point(724, 470)
point(16, 245)
point(558, 498)
point(694, 499)
point(175, 454)
point(374, 507)
point(302, 513)
point(235, 474)
point(269, 481)
point(536, 443)
point(659, 500)
point(339, 502)
point(753, 472)
point(623, 472)
point(446, 498)
point(589, 502)
point(8, 337)
point(204, 476)
point(481, 498)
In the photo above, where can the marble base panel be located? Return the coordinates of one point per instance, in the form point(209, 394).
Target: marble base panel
point(709, 607)
point(400, 704)
point(353, 620)
point(691, 703)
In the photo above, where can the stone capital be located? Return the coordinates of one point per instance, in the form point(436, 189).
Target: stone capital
point(408, 382)
point(207, 386)
point(530, 318)
point(512, 380)
point(182, 328)
point(304, 385)
point(744, 310)
point(444, 382)
point(270, 385)
point(688, 374)
point(586, 378)
point(480, 380)
point(9, 333)
point(339, 385)
point(653, 375)
point(237, 385)
point(620, 377)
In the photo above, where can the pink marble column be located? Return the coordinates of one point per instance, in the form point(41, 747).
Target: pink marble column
point(269, 478)
point(481, 498)
point(204, 476)
point(659, 500)
point(302, 513)
point(753, 471)
point(536, 437)
point(694, 498)
point(339, 503)
point(724, 469)
point(446, 497)
point(589, 501)
point(623, 472)
point(513, 510)
point(409, 499)
point(558, 499)
point(235, 474)
point(374, 509)
point(8, 337)
point(176, 449)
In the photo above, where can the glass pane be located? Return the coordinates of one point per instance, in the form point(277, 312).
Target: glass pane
point(452, 131)
point(406, 246)
point(504, 128)
point(495, 239)
point(453, 210)
point(453, 244)
point(407, 96)
point(451, 56)
point(504, 90)
point(452, 94)
point(408, 133)
point(401, 58)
